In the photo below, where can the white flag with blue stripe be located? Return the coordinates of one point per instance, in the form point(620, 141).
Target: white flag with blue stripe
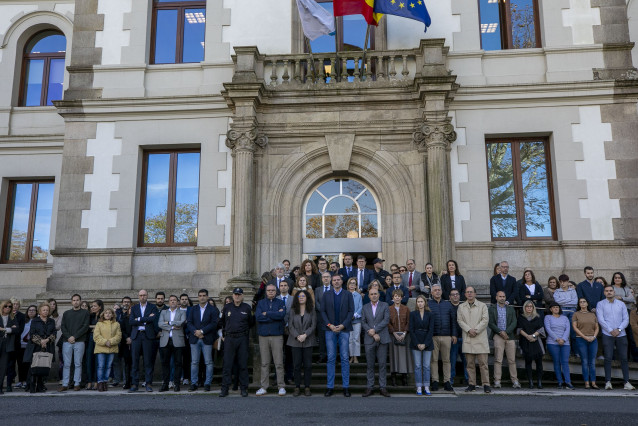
point(315, 20)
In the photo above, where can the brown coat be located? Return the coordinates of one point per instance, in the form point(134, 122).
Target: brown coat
point(399, 322)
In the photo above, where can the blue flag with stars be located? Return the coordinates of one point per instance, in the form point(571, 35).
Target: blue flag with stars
point(413, 9)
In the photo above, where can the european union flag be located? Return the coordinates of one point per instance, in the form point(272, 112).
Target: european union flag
point(413, 9)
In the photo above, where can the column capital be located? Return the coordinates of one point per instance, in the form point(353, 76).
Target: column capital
point(434, 134)
point(245, 139)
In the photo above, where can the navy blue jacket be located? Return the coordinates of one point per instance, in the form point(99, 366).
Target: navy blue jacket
point(346, 313)
point(271, 324)
point(444, 318)
point(207, 323)
point(388, 295)
point(524, 295)
point(149, 321)
point(421, 330)
point(510, 288)
point(368, 276)
point(446, 286)
point(593, 294)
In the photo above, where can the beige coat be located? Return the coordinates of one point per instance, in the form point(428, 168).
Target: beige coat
point(107, 330)
point(476, 317)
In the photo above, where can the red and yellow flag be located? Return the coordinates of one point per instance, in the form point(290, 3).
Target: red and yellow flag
point(357, 7)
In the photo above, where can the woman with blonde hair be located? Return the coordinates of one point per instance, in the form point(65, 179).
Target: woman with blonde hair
point(355, 334)
point(107, 336)
point(8, 330)
point(531, 329)
point(42, 339)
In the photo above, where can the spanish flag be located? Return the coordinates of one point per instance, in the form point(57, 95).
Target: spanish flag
point(357, 7)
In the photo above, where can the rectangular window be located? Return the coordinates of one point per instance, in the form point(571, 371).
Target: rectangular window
point(509, 24)
point(170, 198)
point(178, 34)
point(28, 225)
point(520, 189)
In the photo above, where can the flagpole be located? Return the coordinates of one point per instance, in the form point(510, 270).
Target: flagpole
point(337, 69)
point(365, 47)
point(312, 59)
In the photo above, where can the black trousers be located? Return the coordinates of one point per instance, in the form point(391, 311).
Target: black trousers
point(186, 360)
point(302, 357)
point(10, 366)
point(166, 353)
point(235, 348)
point(539, 367)
point(4, 363)
point(142, 345)
point(288, 361)
point(321, 337)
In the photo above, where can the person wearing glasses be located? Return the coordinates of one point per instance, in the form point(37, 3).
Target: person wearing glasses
point(8, 330)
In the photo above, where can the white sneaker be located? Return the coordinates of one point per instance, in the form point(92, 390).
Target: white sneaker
point(171, 385)
point(261, 392)
point(516, 385)
point(497, 384)
point(143, 384)
point(282, 391)
point(186, 382)
point(628, 386)
point(418, 391)
point(608, 386)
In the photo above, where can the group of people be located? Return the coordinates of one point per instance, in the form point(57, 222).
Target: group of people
point(335, 308)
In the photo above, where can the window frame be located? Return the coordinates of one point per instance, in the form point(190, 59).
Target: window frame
point(518, 193)
point(339, 34)
point(47, 56)
point(181, 7)
point(172, 182)
point(505, 24)
point(28, 258)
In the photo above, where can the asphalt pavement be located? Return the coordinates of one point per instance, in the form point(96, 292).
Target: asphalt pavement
point(505, 407)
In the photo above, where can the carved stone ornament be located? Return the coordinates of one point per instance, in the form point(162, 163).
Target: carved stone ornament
point(246, 140)
point(430, 135)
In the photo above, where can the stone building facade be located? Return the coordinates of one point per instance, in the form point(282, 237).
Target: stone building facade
point(410, 126)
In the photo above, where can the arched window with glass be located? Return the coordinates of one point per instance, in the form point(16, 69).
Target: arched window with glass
point(342, 208)
point(43, 69)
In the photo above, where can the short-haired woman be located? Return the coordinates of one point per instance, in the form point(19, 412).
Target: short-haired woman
point(548, 292)
point(558, 327)
point(107, 336)
point(375, 284)
point(421, 331)
point(531, 329)
point(90, 366)
point(301, 338)
point(400, 357)
point(585, 325)
point(355, 334)
point(42, 339)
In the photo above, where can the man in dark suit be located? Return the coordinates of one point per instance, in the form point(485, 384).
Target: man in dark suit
point(375, 320)
point(337, 310)
point(326, 278)
point(279, 278)
point(363, 275)
point(143, 322)
point(396, 285)
point(171, 323)
point(411, 279)
point(505, 283)
point(201, 326)
point(122, 317)
point(347, 267)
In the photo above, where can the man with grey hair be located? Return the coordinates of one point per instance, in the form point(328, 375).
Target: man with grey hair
point(505, 283)
point(321, 327)
point(412, 279)
point(444, 335)
point(279, 277)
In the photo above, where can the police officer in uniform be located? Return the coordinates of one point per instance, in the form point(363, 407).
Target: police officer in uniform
point(237, 318)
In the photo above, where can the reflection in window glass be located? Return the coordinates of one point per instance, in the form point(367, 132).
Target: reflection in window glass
point(42, 227)
point(56, 78)
point(35, 70)
point(187, 197)
point(155, 211)
point(19, 228)
point(165, 36)
point(535, 192)
point(194, 32)
point(501, 187)
point(490, 25)
point(349, 211)
point(523, 24)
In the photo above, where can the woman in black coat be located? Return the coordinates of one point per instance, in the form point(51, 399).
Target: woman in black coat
point(531, 329)
point(452, 274)
point(43, 335)
point(421, 326)
point(524, 294)
point(8, 330)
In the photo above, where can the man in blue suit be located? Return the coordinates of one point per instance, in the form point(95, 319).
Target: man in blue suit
point(337, 310)
point(505, 283)
point(201, 327)
point(143, 322)
point(364, 276)
point(396, 285)
point(347, 267)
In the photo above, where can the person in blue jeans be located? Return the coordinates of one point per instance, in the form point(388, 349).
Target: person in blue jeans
point(557, 327)
point(456, 348)
point(422, 344)
point(337, 311)
point(586, 327)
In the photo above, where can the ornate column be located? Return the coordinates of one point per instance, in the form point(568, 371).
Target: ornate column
point(434, 138)
point(244, 140)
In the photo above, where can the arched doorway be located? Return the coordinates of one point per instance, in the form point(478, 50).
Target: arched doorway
point(341, 216)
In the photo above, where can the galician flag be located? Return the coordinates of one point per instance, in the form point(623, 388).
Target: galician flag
point(412, 9)
point(315, 20)
point(358, 7)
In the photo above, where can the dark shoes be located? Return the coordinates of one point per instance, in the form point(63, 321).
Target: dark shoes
point(206, 388)
point(244, 392)
point(222, 394)
point(176, 388)
point(434, 386)
point(487, 389)
point(307, 392)
point(164, 388)
point(448, 387)
point(393, 380)
point(470, 388)
point(133, 389)
point(346, 392)
point(384, 392)
point(367, 393)
point(149, 388)
point(193, 388)
point(329, 392)
point(404, 379)
point(297, 392)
